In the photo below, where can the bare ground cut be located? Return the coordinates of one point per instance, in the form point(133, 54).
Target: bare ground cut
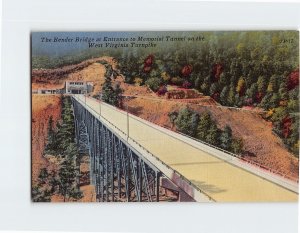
point(43, 106)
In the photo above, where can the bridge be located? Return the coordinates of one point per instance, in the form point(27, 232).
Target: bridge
point(132, 158)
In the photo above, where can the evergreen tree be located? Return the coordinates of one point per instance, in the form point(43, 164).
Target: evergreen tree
point(118, 91)
point(197, 83)
point(42, 192)
point(237, 146)
point(51, 140)
point(68, 177)
point(111, 95)
point(273, 85)
point(43, 176)
point(194, 124)
point(173, 116)
point(252, 91)
point(293, 139)
point(283, 91)
point(224, 95)
point(154, 83)
point(274, 101)
point(38, 194)
point(205, 86)
point(231, 96)
point(107, 90)
point(183, 121)
point(213, 89)
point(265, 102)
point(66, 131)
point(203, 126)
point(224, 80)
point(261, 84)
point(226, 138)
point(213, 134)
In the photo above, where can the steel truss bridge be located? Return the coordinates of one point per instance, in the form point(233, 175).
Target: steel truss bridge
point(116, 169)
point(123, 169)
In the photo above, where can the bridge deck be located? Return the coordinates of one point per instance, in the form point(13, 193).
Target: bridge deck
point(217, 177)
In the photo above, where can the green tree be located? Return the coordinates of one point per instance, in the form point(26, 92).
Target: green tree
point(224, 95)
point(111, 95)
point(273, 84)
point(274, 101)
point(172, 117)
point(213, 89)
point(237, 146)
point(213, 134)
point(66, 131)
point(261, 84)
point(265, 102)
point(68, 177)
point(205, 86)
point(42, 192)
point(39, 194)
point(231, 96)
point(293, 138)
point(283, 91)
point(224, 80)
point(116, 96)
point(203, 126)
point(197, 83)
point(194, 124)
point(185, 121)
point(51, 140)
point(154, 83)
point(226, 138)
point(107, 90)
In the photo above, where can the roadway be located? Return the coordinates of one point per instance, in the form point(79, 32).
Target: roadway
point(218, 177)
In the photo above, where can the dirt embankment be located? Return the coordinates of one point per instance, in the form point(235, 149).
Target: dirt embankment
point(43, 106)
point(46, 75)
point(260, 144)
point(88, 70)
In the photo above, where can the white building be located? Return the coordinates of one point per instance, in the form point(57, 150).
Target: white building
point(46, 91)
point(78, 87)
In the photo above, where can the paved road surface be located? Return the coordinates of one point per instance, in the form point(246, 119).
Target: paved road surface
point(219, 179)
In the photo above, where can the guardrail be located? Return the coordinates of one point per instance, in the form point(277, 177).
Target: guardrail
point(265, 168)
point(247, 161)
point(240, 157)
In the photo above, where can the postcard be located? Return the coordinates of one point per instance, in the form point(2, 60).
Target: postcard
point(174, 116)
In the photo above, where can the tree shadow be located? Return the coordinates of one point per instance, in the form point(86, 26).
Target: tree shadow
point(248, 153)
point(197, 163)
point(135, 110)
point(208, 187)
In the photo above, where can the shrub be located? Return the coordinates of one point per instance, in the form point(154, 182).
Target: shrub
point(154, 83)
point(177, 81)
point(166, 77)
point(162, 90)
point(237, 146)
point(138, 81)
point(186, 84)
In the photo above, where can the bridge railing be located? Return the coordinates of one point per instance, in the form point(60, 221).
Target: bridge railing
point(256, 164)
point(247, 161)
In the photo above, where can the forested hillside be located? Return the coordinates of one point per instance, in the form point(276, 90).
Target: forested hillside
point(256, 69)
